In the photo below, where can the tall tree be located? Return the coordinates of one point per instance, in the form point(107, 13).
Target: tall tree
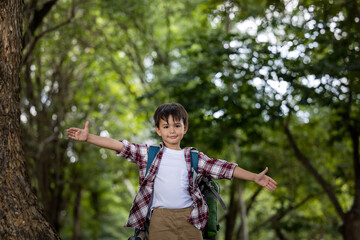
point(20, 214)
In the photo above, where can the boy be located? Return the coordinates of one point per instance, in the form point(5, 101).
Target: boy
point(167, 195)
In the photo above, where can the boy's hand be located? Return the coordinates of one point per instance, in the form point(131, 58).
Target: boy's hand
point(79, 134)
point(265, 181)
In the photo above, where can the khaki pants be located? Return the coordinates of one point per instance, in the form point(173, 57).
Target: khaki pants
point(172, 224)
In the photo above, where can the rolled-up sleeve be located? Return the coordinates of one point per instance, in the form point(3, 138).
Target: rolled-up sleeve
point(216, 168)
point(133, 152)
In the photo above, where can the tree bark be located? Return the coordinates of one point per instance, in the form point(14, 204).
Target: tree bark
point(20, 215)
point(350, 229)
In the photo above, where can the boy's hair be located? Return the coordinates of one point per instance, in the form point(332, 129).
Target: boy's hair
point(176, 110)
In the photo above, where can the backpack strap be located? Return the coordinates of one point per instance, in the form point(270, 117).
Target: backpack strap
point(212, 189)
point(153, 151)
point(194, 160)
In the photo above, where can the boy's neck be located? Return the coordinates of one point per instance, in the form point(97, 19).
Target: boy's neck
point(173, 147)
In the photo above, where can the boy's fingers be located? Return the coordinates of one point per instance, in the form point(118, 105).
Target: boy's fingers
point(274, 182)
point(271, 189)
point(271, 185)
point(86, 125)
point(265, 171)
point(72, 131)
point(262, 174)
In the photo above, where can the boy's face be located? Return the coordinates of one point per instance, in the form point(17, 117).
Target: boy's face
point(171, 132)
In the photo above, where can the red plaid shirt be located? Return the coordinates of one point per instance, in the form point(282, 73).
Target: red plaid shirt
point(138, 153)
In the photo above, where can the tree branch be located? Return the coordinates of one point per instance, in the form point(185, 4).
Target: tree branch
point(31, 45)
point(278, 216)
point(307, 164)
point(37, 19)
point(253, 198)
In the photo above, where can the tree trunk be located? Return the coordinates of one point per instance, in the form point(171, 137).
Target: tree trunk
point(77, 207)
point(232, 211)
point(351, 226)
point(243, 233)
point(20, 214)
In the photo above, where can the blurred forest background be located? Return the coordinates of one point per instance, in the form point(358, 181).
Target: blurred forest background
point(266, 83)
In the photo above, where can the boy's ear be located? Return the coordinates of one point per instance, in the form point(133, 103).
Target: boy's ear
point(186, 127)
point(158, 131)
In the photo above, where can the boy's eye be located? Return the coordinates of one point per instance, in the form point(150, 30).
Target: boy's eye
point(166, 126)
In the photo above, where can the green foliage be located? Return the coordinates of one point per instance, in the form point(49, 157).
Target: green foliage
point(242, 69)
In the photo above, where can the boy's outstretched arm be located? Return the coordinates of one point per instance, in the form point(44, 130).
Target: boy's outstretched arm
point(84, 136)
point(261, 179)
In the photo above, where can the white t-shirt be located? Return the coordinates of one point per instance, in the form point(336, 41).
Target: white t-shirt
point(172, 182)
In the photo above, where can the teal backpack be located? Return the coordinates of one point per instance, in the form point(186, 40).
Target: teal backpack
point(209, 189)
